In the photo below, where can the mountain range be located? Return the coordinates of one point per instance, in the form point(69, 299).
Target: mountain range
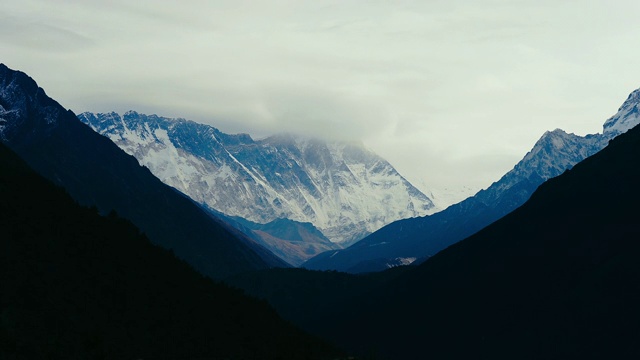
point(552, 273)
point(341, 188)
point(420, 238)
point(95, 172)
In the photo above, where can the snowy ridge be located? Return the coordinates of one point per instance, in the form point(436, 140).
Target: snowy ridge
point(342, 188)
point(555, 152)
point(626, 117)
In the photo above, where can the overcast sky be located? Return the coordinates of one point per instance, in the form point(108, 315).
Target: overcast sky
point(452, 93)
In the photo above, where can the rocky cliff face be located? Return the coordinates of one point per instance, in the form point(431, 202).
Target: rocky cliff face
point(341, 188)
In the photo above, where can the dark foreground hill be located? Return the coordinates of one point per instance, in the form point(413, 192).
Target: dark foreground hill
point(95, 172)
point(75, 285)
point(557, 278)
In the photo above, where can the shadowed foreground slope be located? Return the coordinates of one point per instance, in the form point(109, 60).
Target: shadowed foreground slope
point(75, 285)
point(557, 278)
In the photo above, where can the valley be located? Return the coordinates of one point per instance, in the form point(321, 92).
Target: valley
point(141, 236)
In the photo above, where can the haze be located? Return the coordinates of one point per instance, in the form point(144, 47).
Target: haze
point(452, 93)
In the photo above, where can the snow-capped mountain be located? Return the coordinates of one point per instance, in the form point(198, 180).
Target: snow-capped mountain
point(342, 188)
point(555, 152)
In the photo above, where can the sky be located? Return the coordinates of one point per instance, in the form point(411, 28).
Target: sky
point(452, 93)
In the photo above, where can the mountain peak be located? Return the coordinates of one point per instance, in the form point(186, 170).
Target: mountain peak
point(131, 113)
point(556, 136)
point(557, 131)
point(25, 105)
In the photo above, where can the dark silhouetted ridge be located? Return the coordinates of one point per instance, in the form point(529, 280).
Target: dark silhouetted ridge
point(557, 278)
point(76, 285)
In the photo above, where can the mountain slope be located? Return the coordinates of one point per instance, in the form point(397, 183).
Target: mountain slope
point(557, 278)
point(555, 152)
point(75, 285)
point(292, 241)
point(97, 173)
point(343, 189)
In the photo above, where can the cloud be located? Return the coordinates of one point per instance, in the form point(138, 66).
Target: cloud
point(434, 86)
point(40, 36)
point(319, 112)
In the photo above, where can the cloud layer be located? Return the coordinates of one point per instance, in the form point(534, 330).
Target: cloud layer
point(453, 93)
